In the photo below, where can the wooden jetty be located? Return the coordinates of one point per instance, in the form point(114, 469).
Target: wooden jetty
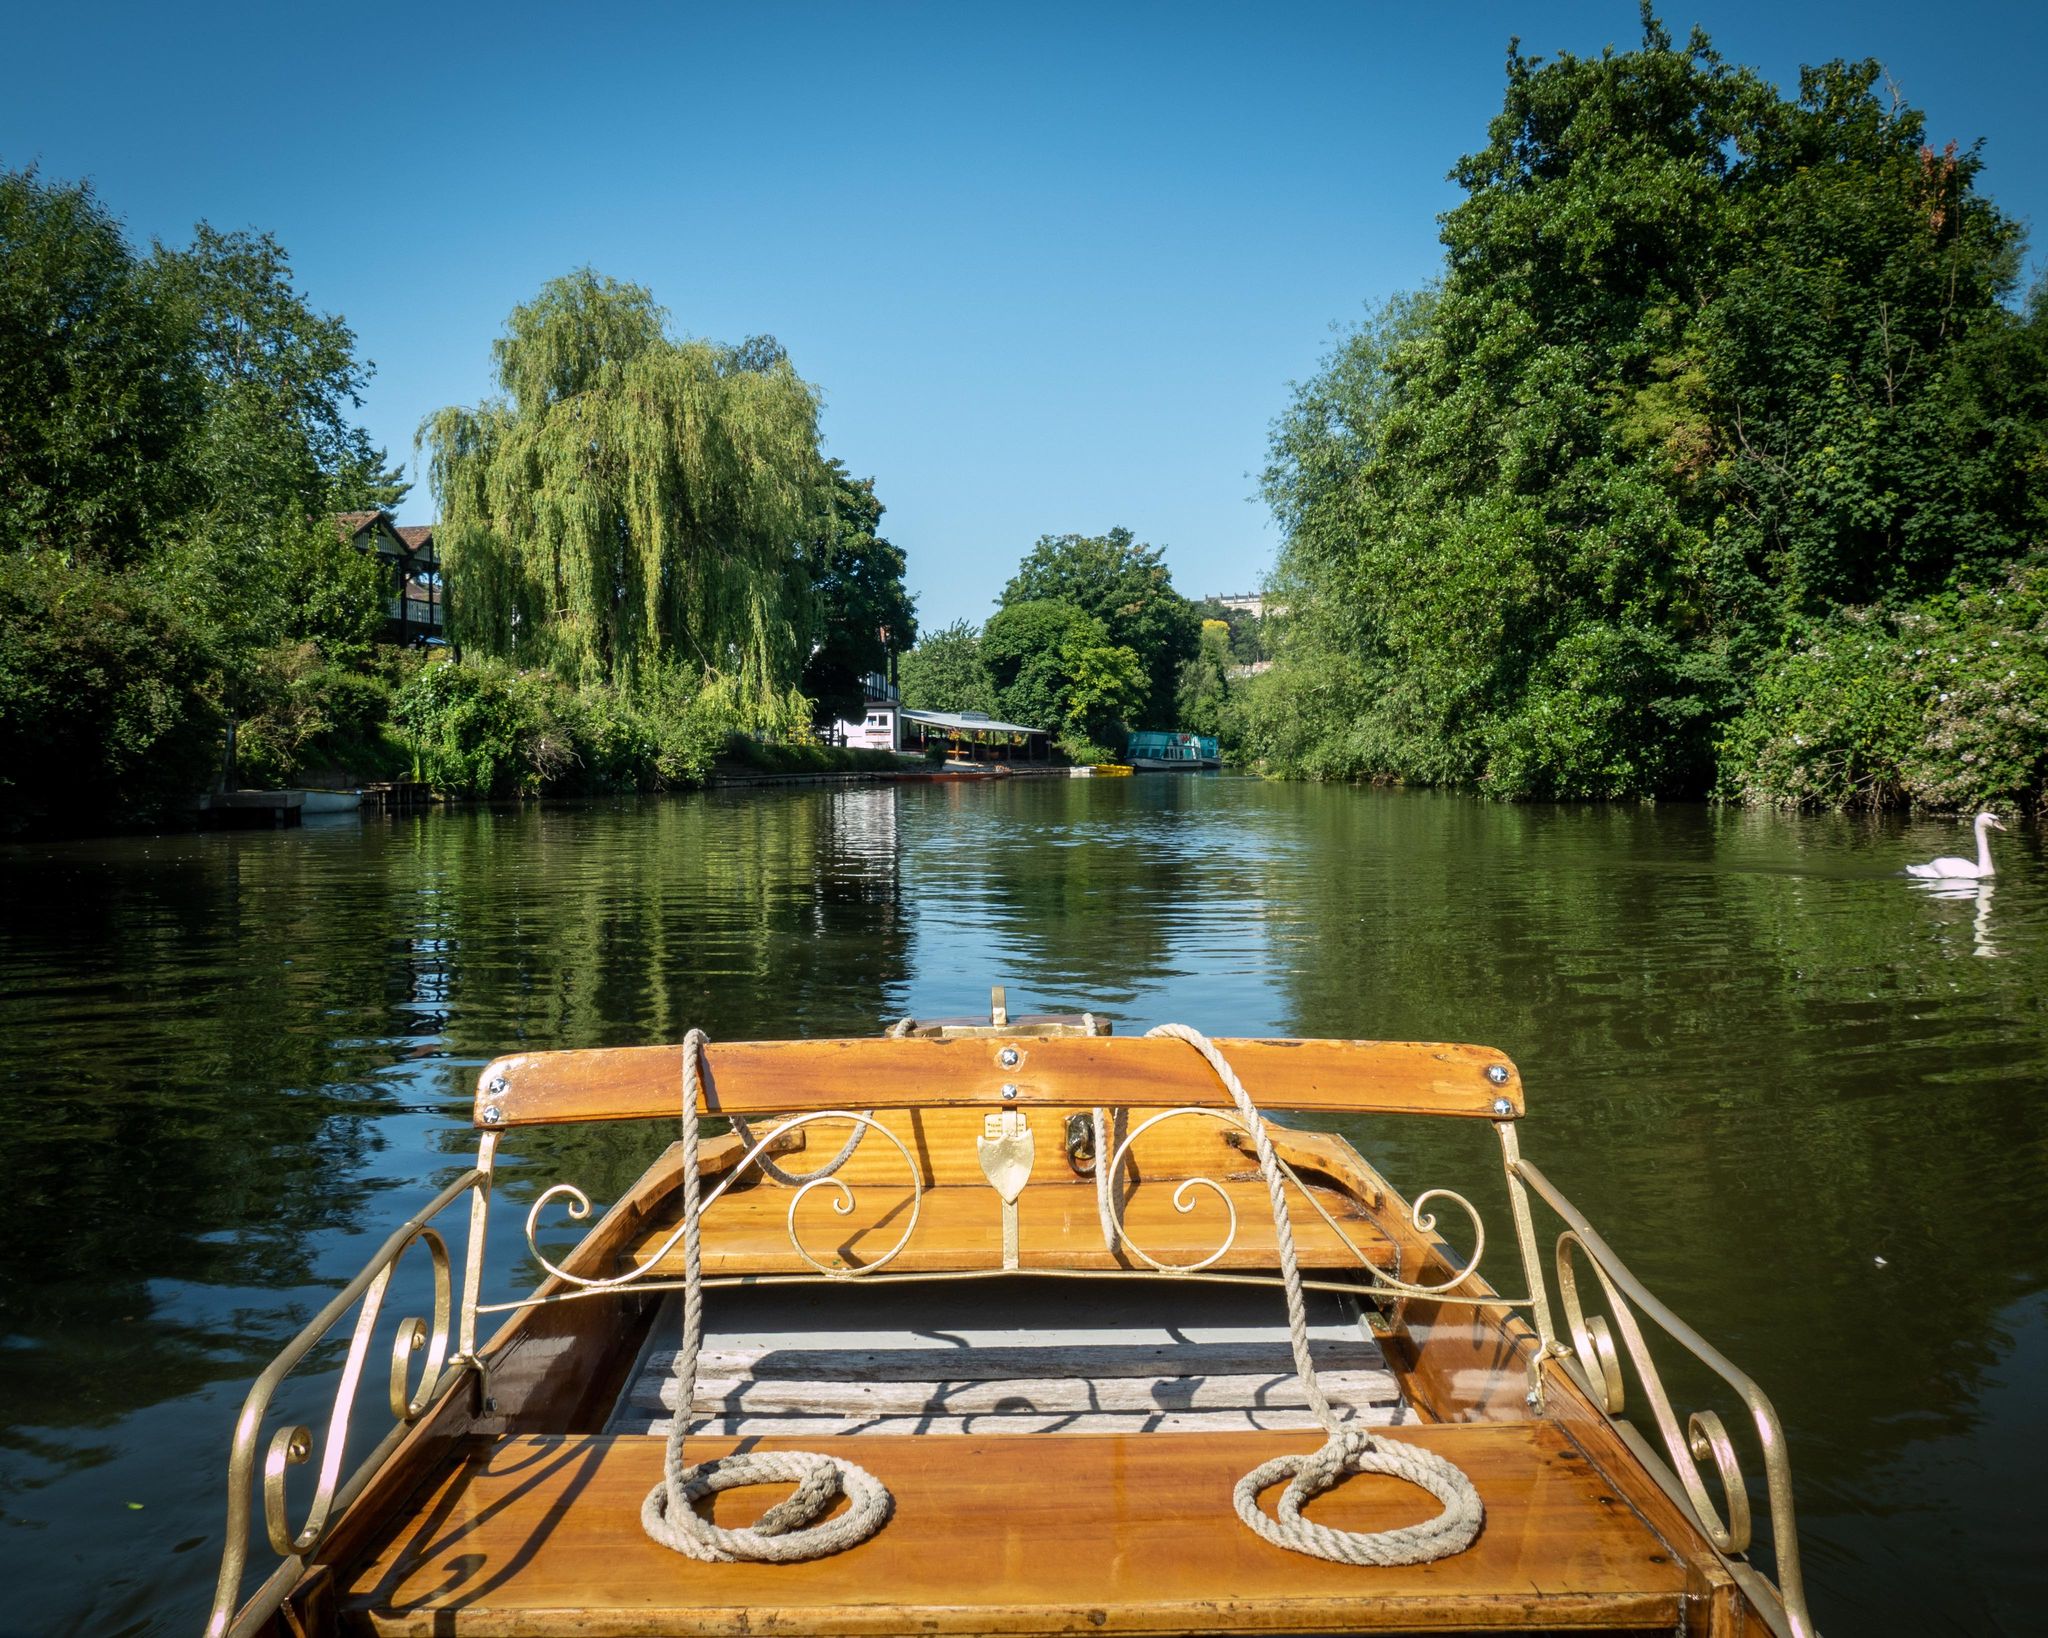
point(251, 810)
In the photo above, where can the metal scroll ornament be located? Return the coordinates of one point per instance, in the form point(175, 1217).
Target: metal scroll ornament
point(1185, 1197)
point(1702, 1441)
point(578, 1208)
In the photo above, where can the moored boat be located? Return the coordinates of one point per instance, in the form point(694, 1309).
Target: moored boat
point(1051, 1330)
point(1151, 752)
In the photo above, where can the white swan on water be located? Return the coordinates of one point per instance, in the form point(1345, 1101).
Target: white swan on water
point(1952, 868)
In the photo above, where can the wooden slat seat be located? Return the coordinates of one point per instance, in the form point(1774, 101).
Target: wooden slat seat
point(960, 1226)
point(1058, 1534)
point(1025, 1358)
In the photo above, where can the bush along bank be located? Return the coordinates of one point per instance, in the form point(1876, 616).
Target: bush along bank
point(1942, 704)
point(482, 729)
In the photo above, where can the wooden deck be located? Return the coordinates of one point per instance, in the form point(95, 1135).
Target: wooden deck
point(1057, 1534)
point(806, 1364)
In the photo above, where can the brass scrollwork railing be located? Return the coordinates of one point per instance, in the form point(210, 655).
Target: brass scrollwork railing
point(579, 1209)
point(1445, 1290)
point(295, 1446)
point(1703, 1437)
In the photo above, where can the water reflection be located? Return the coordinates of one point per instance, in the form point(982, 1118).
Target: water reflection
point(229, 1064)
point(1976, 894)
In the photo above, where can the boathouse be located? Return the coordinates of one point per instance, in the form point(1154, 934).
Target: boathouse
point(969, 736)
point(972, 736)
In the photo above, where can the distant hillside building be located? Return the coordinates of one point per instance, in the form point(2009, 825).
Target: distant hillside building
point(1252, 603)
point(412, 589)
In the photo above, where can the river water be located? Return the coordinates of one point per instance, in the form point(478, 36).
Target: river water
point(1801, 1095)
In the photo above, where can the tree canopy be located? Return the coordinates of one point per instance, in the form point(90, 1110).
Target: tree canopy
point(867, 615)
point(175, 431)
point(1124, 584)
point(1705, 364)
point(1054, 666)
point(944, 672)
point(631, 499)
point(96, 394)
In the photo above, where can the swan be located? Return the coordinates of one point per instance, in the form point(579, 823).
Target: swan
point(1968, 869)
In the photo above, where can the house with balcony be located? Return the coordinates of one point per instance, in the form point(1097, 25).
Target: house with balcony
point(413, 612)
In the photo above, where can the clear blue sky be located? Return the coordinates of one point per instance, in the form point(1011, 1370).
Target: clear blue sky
point(1053, 267)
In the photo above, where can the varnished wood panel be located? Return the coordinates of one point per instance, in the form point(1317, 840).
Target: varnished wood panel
point(628, 1083)
point(1470, 1364)
point(961, 1227)
point(942, 1144)
point(1050, 1535)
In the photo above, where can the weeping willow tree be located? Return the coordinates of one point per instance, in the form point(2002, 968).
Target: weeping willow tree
point(630, 501)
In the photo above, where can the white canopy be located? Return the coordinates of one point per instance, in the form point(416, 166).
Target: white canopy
point(961, 722)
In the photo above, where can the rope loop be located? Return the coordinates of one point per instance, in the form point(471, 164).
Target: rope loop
point(1349, 1448)
point(790, 1531)
point(795, 1528)
point(1322, 1470)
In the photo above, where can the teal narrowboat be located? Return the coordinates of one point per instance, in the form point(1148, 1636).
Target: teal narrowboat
point(1152, 752)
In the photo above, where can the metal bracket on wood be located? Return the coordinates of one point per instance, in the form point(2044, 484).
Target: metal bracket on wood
point(1005, 1148)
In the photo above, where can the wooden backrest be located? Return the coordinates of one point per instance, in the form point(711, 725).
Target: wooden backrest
point(999, 1072)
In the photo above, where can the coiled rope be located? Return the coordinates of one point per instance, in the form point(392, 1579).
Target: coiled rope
point(794, 1529)
point(1349, 1448)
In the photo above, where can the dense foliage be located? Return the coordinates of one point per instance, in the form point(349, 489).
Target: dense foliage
point(1088, 641)
point(1207, 690)
point(1054, 666)
point(1125, 585)
point(96, 396)
point(647, 549)
point(866, 614)
point(945, 672)
point(482, 728)
point(1941, 703)
point(1711, 378)
point(106, 696)
point(630, 499)
point(1245, 631)
point(174, 437)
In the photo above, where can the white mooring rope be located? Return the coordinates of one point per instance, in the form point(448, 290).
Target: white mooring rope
point(897, 1031)
point(1349, 1449)
point(792, 1530)
point(795, 1529)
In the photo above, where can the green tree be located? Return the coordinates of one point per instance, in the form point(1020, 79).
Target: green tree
point(1106, 687)
point(1053, 666)
point(1703, 362)
point(97, 393)
point(1204, 701)
point(183, 419)
point(106, 697)
point(1247, 632)
point(1124, 584)
point(630, 499)
point(865, 613)
point(274, 440)
point(944, 672)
